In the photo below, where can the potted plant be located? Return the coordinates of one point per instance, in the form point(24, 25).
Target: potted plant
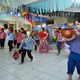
point(54, 39)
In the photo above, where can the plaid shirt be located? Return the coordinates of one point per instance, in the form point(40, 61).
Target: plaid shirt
point(59, 36)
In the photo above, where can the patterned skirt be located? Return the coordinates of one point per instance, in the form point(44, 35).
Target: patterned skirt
point(44, 46)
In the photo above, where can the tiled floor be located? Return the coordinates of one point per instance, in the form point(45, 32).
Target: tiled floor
point(45, 66)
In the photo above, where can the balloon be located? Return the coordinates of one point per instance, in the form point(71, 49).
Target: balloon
point(67, 24)
point(74, 24)
point(2, 26)
point(71, 23)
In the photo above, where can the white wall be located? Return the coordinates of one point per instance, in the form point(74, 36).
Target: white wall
point(14, 19)
point(59, 20)
point(1, 24)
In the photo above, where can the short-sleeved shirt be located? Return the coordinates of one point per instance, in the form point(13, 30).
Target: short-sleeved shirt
point(42, 35)
point(59, 36)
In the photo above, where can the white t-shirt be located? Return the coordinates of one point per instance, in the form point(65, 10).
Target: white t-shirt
point(67, 48)
point(6, 41)
point(28, 33)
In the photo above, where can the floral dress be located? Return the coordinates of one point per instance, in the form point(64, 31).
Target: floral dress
point(44, 45)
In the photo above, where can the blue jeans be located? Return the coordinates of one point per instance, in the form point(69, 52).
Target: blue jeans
point(74, 61)
point(59, 44)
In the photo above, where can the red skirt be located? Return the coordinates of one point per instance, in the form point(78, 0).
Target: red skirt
point(44, 46)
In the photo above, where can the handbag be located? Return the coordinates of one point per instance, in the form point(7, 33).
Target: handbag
point(16, 55)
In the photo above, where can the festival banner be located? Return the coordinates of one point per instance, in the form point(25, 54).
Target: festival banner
point(36, 18)
point(4, 8)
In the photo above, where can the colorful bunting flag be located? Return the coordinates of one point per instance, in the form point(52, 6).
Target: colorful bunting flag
point(24, 12)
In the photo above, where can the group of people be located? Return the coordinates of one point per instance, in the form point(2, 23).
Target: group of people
point(14, 37)
point(42, 39)
point(25, 41)
point(25, 44)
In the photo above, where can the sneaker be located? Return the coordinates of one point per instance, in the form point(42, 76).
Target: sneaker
point(21, 63)
point(58, 54)
point(31, 59)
